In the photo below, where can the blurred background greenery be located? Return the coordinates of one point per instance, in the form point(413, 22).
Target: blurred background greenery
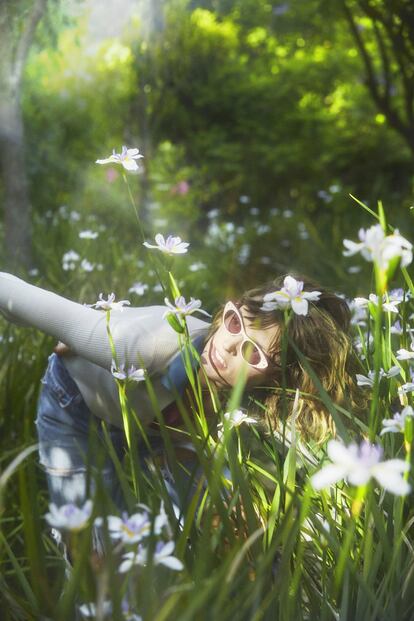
point(257, 119)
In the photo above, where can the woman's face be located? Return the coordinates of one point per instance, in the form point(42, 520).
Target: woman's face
point(222, 358)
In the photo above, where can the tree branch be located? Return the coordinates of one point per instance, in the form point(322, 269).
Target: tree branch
point(385, 62)
point(401, 52)
point(383, 104)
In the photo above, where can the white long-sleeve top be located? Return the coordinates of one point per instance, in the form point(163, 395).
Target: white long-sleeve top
point(141, 335)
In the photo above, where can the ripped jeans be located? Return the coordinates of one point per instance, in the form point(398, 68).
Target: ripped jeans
point(74, 454)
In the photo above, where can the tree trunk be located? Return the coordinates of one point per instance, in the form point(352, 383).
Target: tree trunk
point(14, 49)
point(17, 208)
point(152, 27)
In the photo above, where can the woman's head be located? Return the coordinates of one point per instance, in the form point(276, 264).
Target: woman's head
point(239, 341)
point(250, 337)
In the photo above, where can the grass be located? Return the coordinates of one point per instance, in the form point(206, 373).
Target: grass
point(258, 543)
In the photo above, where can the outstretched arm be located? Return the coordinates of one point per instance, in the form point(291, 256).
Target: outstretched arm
point(81, 328)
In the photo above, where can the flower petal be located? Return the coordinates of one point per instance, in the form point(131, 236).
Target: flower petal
point(172, 562)
point(332, 473)
point(393, 482)
point(300, 306)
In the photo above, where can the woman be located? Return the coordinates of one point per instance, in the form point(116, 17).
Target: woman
point(79, 390)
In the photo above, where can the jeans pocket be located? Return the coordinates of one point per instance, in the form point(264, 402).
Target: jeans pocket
point(59, 382)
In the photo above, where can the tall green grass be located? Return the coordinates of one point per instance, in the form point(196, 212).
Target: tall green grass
point(257, 541)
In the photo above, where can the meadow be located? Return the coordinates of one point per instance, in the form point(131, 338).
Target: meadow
point(264, 153)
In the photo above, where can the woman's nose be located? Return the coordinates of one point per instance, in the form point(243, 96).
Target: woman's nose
point(232, 343)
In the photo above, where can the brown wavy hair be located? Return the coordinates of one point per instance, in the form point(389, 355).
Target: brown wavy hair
point(324, 341)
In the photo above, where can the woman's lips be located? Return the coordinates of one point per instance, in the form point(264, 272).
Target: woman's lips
point(215, 363)
point(217, 359)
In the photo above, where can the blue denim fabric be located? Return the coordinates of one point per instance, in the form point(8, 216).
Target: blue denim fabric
point(71, 440)
point(71, 446)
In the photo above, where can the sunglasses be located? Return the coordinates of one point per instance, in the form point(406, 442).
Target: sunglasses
point(250, 351)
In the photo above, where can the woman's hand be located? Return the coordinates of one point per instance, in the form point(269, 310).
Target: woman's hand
point(61, 349)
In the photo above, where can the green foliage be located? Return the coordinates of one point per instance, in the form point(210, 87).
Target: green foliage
point(255, 123)
point(236, 100)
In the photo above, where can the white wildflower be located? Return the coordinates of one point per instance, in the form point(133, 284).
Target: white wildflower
point(397, 423)
point(172, 245)
point(238, 417)
point(358, 464)
point(91, 610)
point(131, 375)
point(368, 380)
point(194, 267)
point(127, 158)
point(110, 303)
point(139, 288)
point(162, 556)
point(234, 419)
point(129, 529)
point(290, 296)
point(379, 248)
point(389, 303)
point(405, 354)
point(405, 388)
point(69, 516)
point(69, 260)
point(88, 234)
point(86, 266)
point(181, 307)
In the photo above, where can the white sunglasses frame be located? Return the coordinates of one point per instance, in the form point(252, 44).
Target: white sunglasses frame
point(264, 361)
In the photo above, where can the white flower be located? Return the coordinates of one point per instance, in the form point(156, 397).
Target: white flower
point(389, 306)
point(171, 245)
point(194, 267)
point(404, 354)
point(74, 216)
point(181, 307)
point(397, 328)
point(408, 387)
point(134, 528)
point(87, 266)
point(139, 288)
point(375, 246)
point(110, 303)
point(132, 374)
point(87, 234)
point(71, 255)
point(359, 317)
point(290, 296)
point(161, 520)
point(393, 371)
point(399, 294)
point(238, 417)
point(129, 529)
point(162, 556)
point(90, 610)
point(397, 423)
point(69, 260)
point(127, 158)
point(234, 419)
point(358, 464)
point(368, 380)
point(69, 517)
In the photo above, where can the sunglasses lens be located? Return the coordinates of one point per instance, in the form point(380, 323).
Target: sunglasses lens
point(251, 353)
point(232, 322)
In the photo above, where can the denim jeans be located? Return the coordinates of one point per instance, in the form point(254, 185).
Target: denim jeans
point(71, 441)
point(73, 452)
